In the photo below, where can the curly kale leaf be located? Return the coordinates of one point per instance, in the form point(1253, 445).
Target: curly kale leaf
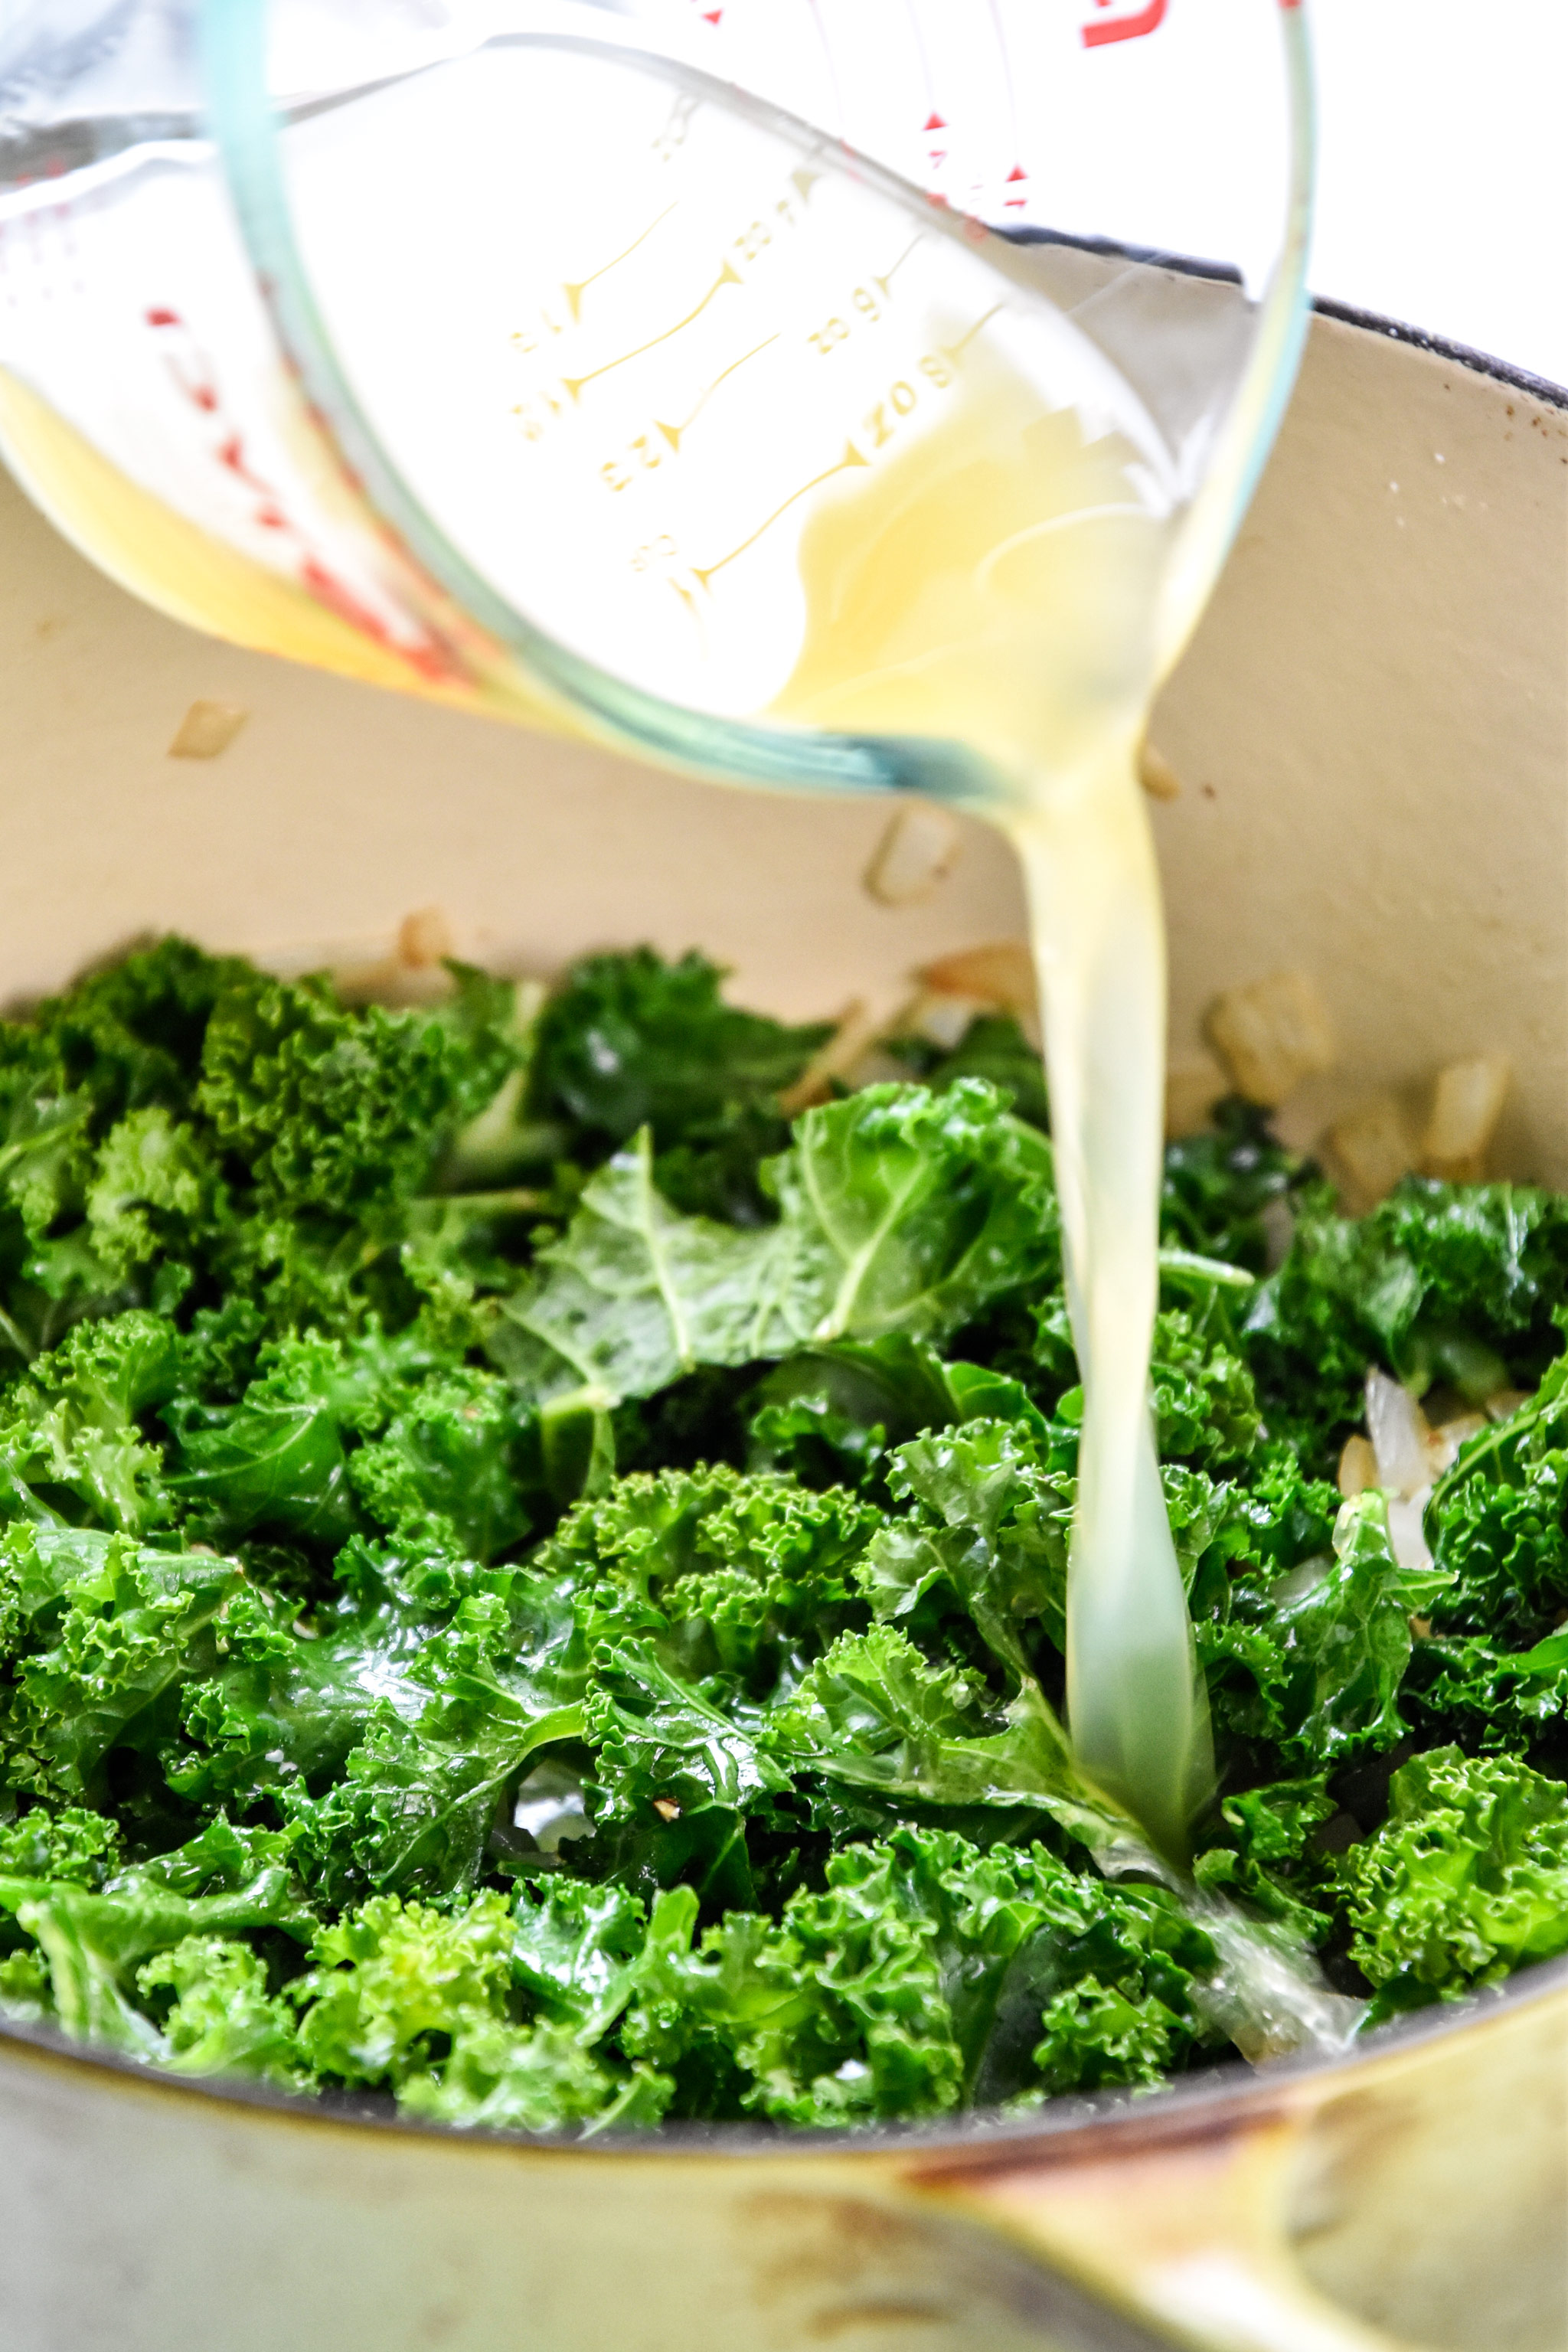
point(1449, 1282)
point(927, 1972)
point(736, 1574)
point(1325, 1648)
point(445, 1475)
point(70, 1844)
point(277, 1459)
point(105, 1634)
point(1498, 1521)
point(664, 1745)
point(71, 1443)
point(632, 1293)
point(877, 1715)
point(1467, 1879)
point(905, 1211)
point(830, 1414)
point(986, 1538)
point(222, 1882)
point(1268, 1859)
point(209, 1999)
point(340, 1110)
point(127, 1037)
point(422, 2001)
point(899, 1212)
point(331, 1436)
point(442, 1744)
point(629, 1042)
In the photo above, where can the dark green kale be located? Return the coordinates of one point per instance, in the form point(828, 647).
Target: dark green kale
point(1447, 1283)
point(1466, 1878)
point(630, 1042)
point(993, 1048)
point(534, 1586)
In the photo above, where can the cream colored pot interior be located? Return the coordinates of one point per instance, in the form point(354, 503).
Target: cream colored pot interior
point(1371, 733)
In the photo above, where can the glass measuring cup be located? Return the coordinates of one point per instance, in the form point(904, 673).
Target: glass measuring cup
point(312, 314)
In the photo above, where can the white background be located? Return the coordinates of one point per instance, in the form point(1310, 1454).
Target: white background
point(1444, 168)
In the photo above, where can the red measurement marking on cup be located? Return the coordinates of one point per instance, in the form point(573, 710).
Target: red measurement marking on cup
point(1125, 28)
point(194, 374)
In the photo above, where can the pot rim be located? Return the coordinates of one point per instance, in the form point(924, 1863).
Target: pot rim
point(1200, 2102)
point(1465, 355)
point(1196, 2099)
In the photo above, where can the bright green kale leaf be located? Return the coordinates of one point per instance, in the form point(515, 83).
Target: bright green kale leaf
point(155, 1192)
point(986, 1538)
point(210, 2000)
point(277, 1459)
point(741, 1574)
point(1467, 1879)
point(1205, 1407)
point(339, 1109)
point(422, 2001)
point(875, 1713)
point(663, 1744)
point(71, 1843)
point(1326, 1648)
point(222, 1882)
point(445, 1475)
point(629, 1042)
point(905, 1211)
point(1453, 1282)
point(105, 1634)
point(413, 1805)
point(1267, 1861)
point(927, 1972)
point(830, 1414)
point(632, 1293)
point(71, 1443)
point(899, 1212)
point(1498, 1521)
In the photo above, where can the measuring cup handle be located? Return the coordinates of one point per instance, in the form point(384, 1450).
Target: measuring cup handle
point(1428, 2176)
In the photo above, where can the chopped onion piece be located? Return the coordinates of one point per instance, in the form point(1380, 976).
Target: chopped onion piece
point(1157, 776)
point(1466, 1103)
point(918, 849)
point(1367, 1152)
point(1001, 974)
point(1358, 1467)
point(856, 1034)
point(1271, 1035)
point(1400, 1435)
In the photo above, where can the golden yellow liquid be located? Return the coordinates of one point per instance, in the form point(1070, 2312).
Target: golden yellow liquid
point(998, 587)
point(173, 564)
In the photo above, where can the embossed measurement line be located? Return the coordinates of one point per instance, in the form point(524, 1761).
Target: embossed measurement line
point(672, 433)
point(574, 293)
point(852, 457)
point(728, 276)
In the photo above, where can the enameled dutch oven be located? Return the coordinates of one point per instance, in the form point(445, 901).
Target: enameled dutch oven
point(1372, 733)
